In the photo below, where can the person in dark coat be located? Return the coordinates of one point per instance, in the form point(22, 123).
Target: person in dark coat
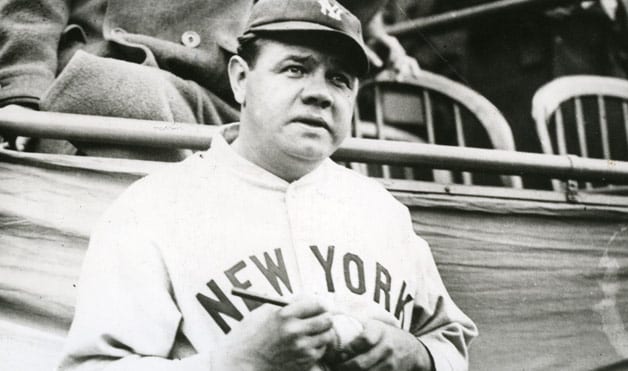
point(141, 59)
point(590, 37)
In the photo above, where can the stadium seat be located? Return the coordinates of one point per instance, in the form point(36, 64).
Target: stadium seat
point(432, 109)
point(583, 115)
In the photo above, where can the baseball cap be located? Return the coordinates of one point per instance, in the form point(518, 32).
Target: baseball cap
point(324, 16)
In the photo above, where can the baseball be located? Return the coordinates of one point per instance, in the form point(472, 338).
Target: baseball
point(347, 328)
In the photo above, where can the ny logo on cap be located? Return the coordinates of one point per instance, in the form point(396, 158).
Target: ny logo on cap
point(330, 9)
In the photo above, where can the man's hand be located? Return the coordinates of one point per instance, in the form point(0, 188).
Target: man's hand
point(384, 347)
point(294, 337)
point(398, 60)
point(16, 143)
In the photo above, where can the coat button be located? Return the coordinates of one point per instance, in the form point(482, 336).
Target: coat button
point(191, 39)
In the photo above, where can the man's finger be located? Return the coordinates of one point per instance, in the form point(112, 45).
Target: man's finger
point(320, 341)
point(407, 66)
point(21, 143)
point(367, 339)
point(304, 308)
point(371, 359)
point(310, 326)
point(415, 69)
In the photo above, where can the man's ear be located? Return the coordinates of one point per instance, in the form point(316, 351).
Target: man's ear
point(238, 72)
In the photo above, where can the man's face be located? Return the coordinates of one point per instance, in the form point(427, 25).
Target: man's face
point(297, 105)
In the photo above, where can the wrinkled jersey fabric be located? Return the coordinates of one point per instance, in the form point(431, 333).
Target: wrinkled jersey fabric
point(155, 291)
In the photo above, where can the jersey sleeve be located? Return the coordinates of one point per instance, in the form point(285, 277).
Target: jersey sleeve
point(437, 321)
point(126, 317)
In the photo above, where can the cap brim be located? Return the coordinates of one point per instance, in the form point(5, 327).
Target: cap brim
point(362, 62)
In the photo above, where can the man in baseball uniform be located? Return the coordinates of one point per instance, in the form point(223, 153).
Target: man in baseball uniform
point(269, 212)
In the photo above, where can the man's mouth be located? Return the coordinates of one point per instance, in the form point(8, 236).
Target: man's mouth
point(313, 121)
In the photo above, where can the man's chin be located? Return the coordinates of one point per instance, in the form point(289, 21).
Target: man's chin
point(311, 153)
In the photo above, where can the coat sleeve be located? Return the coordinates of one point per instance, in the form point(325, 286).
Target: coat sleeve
point(437, 321)
point(29, 38)
point(126, 316)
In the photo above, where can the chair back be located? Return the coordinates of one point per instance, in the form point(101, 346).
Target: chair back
point(583, 115)
point(432, 109)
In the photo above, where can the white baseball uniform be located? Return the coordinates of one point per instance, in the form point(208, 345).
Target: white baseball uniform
point(155, 288)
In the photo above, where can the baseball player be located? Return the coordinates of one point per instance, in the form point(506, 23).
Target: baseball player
point(268, 212)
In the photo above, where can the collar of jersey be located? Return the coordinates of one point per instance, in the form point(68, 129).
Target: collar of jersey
point(224, 154)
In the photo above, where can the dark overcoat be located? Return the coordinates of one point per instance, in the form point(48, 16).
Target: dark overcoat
point(145, 59)
point(188, 41)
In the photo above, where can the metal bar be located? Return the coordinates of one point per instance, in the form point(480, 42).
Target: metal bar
point(152, 133)
point(105, 129)
point(487, 160)
point(459, 16)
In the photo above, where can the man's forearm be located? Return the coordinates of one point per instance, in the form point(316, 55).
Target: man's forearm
point(29, 34)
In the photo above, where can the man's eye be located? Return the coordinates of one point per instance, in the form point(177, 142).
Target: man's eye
point(295, 70)
point(341, 80)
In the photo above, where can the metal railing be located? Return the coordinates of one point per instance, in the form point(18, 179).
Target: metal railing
point(456, 17)
point(174, 135)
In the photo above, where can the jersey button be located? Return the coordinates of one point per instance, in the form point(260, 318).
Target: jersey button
point(191, 39)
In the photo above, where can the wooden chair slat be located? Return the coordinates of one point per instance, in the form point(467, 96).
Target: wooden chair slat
point(580, 127)
point(421, 106)
point(606, 151)
point(560, 133)
point(379, 125)
point(624, 110)
point(547, 102)
point(429, 117)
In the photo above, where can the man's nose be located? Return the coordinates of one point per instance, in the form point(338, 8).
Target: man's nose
point(316, 92)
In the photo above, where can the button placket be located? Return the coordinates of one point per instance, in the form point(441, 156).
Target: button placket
point(296, 234)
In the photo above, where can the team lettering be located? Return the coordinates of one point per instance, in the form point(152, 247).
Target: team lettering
point(273, 268)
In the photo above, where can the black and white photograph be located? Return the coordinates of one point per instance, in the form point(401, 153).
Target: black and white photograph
point(314, 185)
